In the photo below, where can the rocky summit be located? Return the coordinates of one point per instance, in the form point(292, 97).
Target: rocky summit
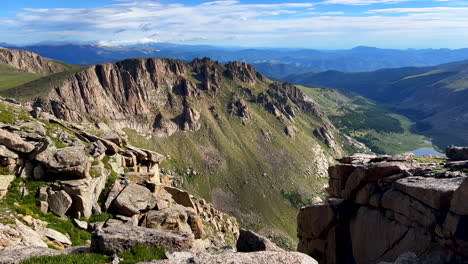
point(390, 209)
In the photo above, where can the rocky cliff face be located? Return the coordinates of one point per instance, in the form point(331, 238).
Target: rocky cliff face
point(390, 209)
point(26, 61)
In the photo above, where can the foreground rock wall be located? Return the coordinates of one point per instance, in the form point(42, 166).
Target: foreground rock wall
point(383, 207)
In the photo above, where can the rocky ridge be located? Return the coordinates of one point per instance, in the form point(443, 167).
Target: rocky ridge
point(27, 61)
point(382, 207)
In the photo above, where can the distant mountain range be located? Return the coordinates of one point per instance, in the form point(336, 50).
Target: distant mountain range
point(433, 97)
point(276, 63)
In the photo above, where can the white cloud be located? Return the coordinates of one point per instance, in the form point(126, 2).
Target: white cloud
point(235, 23)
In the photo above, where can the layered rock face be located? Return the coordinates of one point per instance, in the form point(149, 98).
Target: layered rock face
point(156, 96)
point(26, 61)
point(381, 208)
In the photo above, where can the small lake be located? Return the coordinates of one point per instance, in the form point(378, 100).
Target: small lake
point(425, 151)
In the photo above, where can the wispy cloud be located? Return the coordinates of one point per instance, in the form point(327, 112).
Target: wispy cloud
point(235, 23)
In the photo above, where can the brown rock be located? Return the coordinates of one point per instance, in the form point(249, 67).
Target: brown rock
point(181, 197)
point(436, 193)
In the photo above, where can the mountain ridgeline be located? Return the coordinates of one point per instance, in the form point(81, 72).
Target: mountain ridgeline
point(226, 130)
point(433, 97)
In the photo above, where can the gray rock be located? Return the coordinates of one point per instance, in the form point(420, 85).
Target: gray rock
point(115, 190)
point(112, 240)
point(30, 237)
point(174, 218)
point(457, 153)
point(133, 199)
point(59, 203)
point(5, 181)
point(15, 142)
point(69, 161)
point(16, 255)
point(251, 242)
point(460, 197)
point(264, 257)
point(81, 224)
point(56, 236)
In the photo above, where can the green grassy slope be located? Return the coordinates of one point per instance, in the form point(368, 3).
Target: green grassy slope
point(11, 77)
point(381, 130)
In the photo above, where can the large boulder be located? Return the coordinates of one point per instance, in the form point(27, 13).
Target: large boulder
point(112, 240)
point(264, 257)
point(68, 162)
point(15, 142)
point(85, 194)
point(249, 241)
point(133, 199)
point(181, 197)
point(174, 218)
point(59, 202)
point(457, 153)
point(434, 192)
point(16, 255)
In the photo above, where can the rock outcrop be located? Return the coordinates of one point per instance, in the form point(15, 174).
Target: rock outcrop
point(236, 258)
point(112, 240)
point(381, 207)
point(27, 61)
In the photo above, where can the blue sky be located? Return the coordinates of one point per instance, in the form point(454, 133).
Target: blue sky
point(320, 24)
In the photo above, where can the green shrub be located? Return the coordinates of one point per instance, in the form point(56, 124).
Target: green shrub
point(142, 253)
point(100, 217)
point(4, 171)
